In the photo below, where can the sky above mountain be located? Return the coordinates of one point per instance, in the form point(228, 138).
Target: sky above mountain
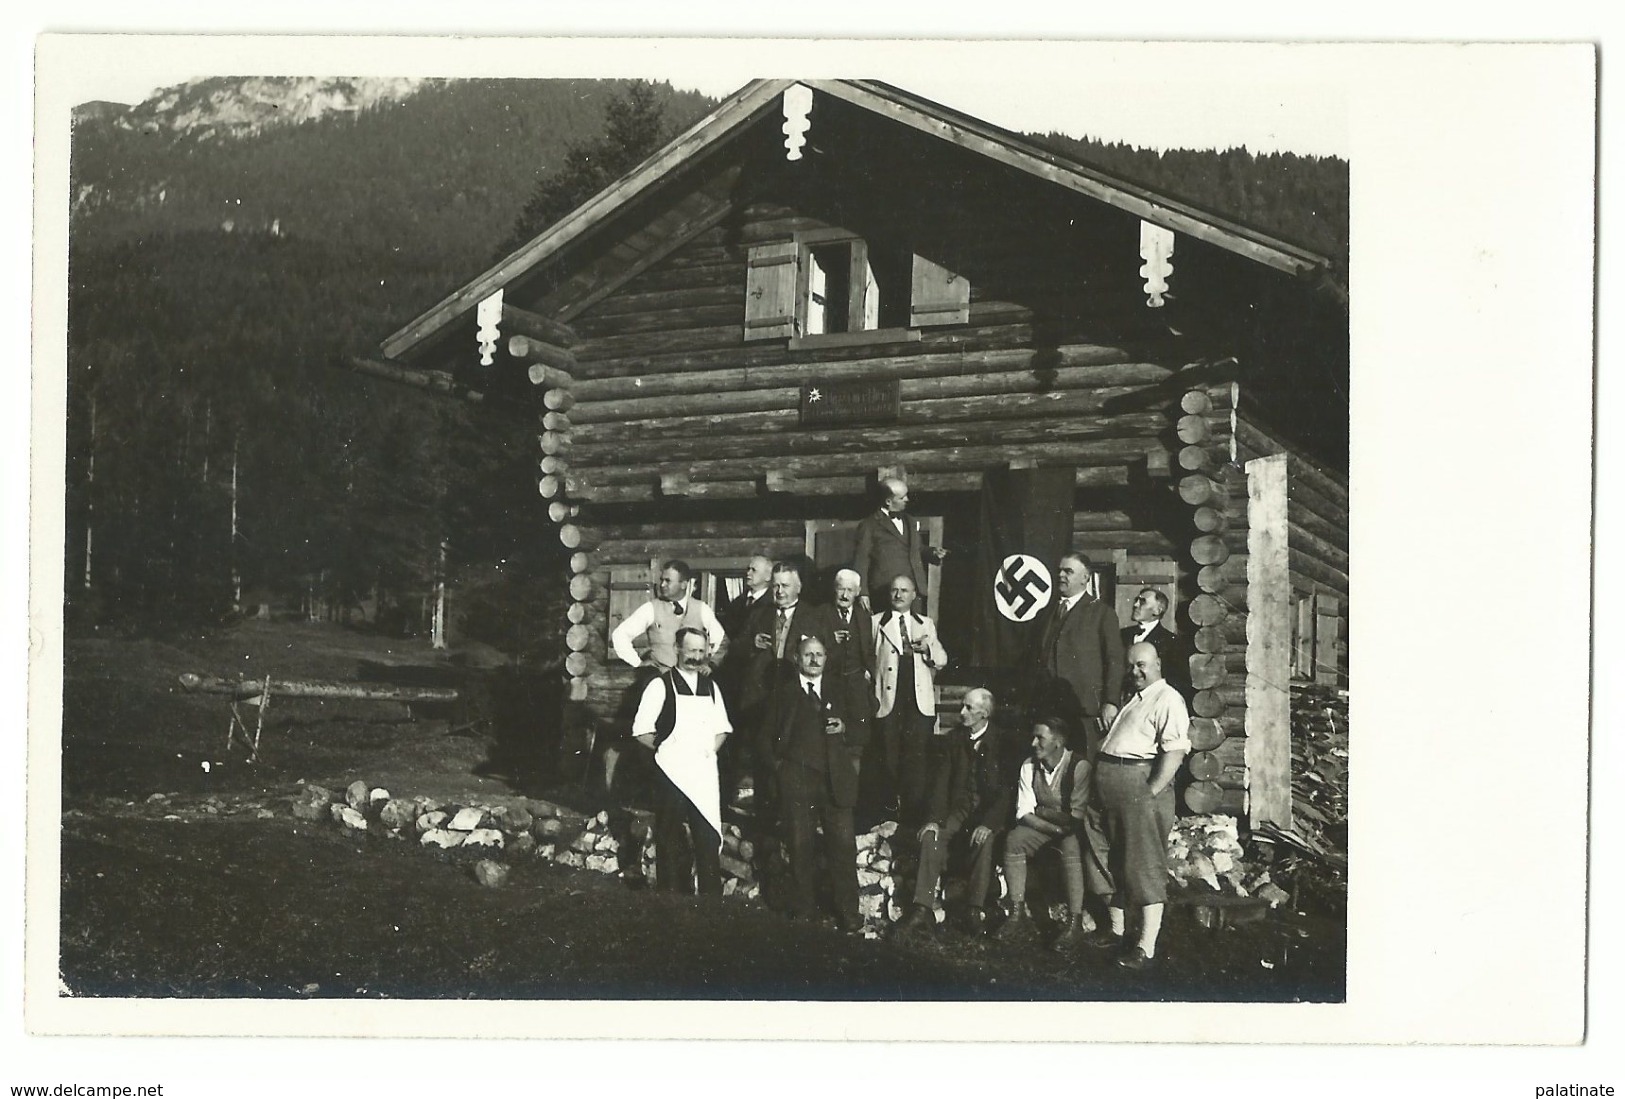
point(1157, 96)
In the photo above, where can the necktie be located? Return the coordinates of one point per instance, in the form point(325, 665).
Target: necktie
point(846, 617)
point(781, 629)
point(812, 693)
point(678, 607)
point(902, 628)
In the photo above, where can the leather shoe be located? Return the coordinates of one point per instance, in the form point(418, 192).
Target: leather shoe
point(975, 922)
point(1016, 926)
point(918, 920)
point(1070, 936)
point(1102, 938)
point(1136, 959)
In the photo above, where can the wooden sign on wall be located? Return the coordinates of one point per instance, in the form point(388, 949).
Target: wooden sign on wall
point(868, 401)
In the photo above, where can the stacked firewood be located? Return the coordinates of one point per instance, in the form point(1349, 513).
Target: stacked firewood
point(1320, 767)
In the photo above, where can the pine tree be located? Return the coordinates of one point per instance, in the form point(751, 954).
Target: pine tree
point(634, 126)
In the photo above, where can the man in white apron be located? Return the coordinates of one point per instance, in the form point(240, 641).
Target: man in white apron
point(681, 716)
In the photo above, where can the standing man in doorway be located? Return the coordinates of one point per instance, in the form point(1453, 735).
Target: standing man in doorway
point(907, 656)
point(1079, 662)
point(890, 545)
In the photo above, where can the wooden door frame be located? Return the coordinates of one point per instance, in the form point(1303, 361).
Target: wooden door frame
point(930, 528)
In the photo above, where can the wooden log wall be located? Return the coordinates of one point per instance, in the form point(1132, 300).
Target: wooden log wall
point(665, 382)
point(1317, 524)
point(1214, 776)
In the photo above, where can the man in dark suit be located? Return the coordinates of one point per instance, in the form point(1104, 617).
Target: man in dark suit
point(1145, 623)
point(817, 749)
point(735, 612)
point(852, 655)
point(767, 654)
point(890, 545)
point(1079, 663)
point(970, 805)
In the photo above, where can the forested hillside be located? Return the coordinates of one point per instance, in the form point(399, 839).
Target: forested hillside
point(218, 274)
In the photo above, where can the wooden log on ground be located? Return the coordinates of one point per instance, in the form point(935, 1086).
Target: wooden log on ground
point(539, 327)
point(314, 688)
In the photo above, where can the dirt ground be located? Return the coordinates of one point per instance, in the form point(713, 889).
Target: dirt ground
point(216, 889)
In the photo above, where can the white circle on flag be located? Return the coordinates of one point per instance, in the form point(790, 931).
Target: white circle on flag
point(1022, 587)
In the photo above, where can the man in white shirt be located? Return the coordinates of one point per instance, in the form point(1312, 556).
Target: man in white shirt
point(682, 718)
point(661, 617)
point(1134, 793)
point(1051, 790)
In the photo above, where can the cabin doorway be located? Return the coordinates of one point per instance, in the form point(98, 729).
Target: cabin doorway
point(830, 544)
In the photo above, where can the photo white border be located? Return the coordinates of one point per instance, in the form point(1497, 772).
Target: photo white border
point(1472, 221)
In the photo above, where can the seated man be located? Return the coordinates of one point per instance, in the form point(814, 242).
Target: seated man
point(1051, 790)
point(970, 799)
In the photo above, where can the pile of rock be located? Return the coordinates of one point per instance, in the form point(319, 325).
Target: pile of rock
point(434, 823)
point(880, 885)
point(595, 848)
point(1205, 851)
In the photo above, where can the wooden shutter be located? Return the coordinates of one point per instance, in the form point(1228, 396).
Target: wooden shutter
point(629, 589)
point(1303, 637)
point(938, 296)
point(1328, 626)
point(770, 291)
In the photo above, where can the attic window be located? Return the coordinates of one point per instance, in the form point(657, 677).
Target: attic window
point(830, 286)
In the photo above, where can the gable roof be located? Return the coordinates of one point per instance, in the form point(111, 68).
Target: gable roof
point(740, 110)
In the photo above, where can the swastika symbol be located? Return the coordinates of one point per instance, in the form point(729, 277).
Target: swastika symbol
point(1022, 587)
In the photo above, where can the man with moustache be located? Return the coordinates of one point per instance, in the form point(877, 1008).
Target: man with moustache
point(1134, 794)
point(682, 718)
point(907, 657)
point(1051, 790)
point(852, 654)
point(1145, 623)
point(1080, 655)
point(816, 750)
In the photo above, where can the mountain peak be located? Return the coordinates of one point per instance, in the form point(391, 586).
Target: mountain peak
point(240, 106)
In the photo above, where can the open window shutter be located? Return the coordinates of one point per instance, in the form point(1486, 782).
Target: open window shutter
point(864, 312)
point(628, 590)
point(770, 291)
point(1303, 637)
point(938, 295)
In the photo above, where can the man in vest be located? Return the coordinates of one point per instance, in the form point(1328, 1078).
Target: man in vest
point(661, 617)
point(1080, 655)
point(682, 718)
point(817, 751)
point(907, 656)
point(1051, 789)
point(1134, 793)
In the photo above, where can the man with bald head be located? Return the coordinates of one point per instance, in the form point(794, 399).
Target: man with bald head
point(969, 806)
point(1133, 790)
point(890, 545)
point(907, 658)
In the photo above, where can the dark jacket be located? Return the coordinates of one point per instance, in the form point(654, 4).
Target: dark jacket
point(970, 789)
point(798, 737)
point(882, 554)
point(852, 662)
point(759, 670)
point(1080, 663)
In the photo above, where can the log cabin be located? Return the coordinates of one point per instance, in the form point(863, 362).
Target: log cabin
point(826, 283)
